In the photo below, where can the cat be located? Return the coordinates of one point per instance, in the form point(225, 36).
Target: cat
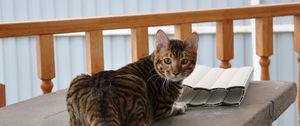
point(138, 93)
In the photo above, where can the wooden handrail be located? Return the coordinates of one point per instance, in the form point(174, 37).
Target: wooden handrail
point(224, 42)
point(264, 44)
point(146, 20)
point(139, 39)
point(297, 50)
point(94, 51)
point(2, 95)
point(45, 61)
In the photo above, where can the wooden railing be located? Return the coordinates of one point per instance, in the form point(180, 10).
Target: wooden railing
point(93, 27)
point(2, 95)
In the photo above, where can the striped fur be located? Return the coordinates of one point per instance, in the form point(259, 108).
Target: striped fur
point(134, 95)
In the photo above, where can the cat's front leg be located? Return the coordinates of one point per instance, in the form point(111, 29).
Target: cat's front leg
point(178, 108)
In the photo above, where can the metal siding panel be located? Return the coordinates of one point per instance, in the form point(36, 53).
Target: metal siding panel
point(74, 8)
point(8, 13)
point(160, 5)
point(48, 9)
point(151, 43)
point(24, 69)
point(61, 8)
point(205, 4)
point(284, 52)
point(192, 4)
point(20, 10)
point(2, 65)
point(36, 82)
point(239, 43)
point(107, 52)
point(34, 10)
point(62, 62)
point(117, 7)
point(174, 5)
point(248, 49)
point(118, 52)
point(145, 6)
point(128, 58)
point(131, 7)
point(77, 58)
point(88, 8)
point(103, 7)
point(11, 69)
point(206, 50)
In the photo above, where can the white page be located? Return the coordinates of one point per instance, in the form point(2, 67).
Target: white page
point(241, 77)
point(210, 78)
point(199, 72)
point(225, 78)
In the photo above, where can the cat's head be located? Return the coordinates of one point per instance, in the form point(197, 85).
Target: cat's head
point(175, 59)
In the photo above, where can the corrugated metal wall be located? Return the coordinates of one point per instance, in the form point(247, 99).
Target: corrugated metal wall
point(18, 58)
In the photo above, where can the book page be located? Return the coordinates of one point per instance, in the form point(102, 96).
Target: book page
point(241, 77)
point(198, 73)
point(234, 96)
point(216, 97)
point(225, 78)
point(187, 95)
point(210, 78)
point(200, 98)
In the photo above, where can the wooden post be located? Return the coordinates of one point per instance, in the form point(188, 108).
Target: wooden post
point(224, 42)
point(94, 51)
point(264, 44)
point(139, 39)
point(45, 61)
point(297, 49)
point(182, 31)
point(2, 95)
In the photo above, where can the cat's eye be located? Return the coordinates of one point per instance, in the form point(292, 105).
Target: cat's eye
point(184, 61)
point(167, 61)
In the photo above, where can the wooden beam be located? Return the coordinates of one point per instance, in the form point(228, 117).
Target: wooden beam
point(297, 50)
point(146, 20)
point(94, 51)
point(139, 39)
point(224, 42)
point(2, 95)
point(45, 61)
point(264, 44)
point(183, 30)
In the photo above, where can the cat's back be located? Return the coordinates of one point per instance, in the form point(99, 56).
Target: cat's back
point(85, 82)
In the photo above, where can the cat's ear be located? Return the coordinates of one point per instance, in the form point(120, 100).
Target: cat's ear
point(162, 40)
point(191, 42)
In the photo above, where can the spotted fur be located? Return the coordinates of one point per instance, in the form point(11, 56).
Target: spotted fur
point(138, 93)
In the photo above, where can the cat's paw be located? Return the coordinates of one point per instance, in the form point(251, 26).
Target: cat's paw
point(182, 107)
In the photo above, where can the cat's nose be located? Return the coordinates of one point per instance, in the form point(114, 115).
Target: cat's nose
point(175, 72)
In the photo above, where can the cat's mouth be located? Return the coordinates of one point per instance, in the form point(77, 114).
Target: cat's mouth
point(175, 78)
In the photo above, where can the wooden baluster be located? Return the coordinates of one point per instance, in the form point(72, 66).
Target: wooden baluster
point(224, 42)
point(139, 39)
point(264, 44)
point(297, 49)
point(94, 51)
point(45, 61)
point(182, 31)
point(2, 95)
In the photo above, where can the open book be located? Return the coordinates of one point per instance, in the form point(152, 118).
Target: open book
point(216, 86)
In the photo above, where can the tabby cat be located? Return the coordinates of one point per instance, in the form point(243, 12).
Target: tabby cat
point(138, 93)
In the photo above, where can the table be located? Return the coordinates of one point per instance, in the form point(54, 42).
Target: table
point(264, 102)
